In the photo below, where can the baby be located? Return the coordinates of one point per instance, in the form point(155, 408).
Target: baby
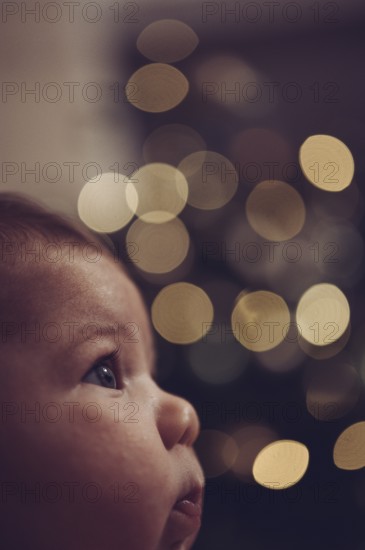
point(94, 455)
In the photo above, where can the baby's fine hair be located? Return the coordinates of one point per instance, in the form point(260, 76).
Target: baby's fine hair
point(23, 220)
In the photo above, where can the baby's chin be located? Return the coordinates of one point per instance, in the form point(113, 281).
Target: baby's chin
point(179, 534)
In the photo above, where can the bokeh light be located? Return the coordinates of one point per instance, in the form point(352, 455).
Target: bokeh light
point(260, 320)
point(349, 449)
point(167, 40)
point(327, 162)
point(212, 179)
point(162, 192)
point(107, 203)
point(159, 248)
point(182, 313)
point(250, 440)
point(281, 464)
point(156, 88)
point(323, 314)
point(275, 210)
point(331, 349)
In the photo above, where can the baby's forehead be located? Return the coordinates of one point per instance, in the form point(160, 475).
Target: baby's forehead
point(80, 293)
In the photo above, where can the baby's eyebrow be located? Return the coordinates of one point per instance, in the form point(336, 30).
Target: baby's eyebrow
point(110, 330)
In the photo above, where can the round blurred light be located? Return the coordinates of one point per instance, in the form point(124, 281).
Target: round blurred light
point(349, 449)
point(167, 40)
point(162, 192)
point(275, 210)
point(182, 313)
point(326, 162)
point(260, 320)
point(281, 464)
point(250, 441)
point(323, 314)
point(333, 391)
point(212, 179)
point(171, 143)
point(325, 352)
point(156, 88)
point(158, 248)
point(106, 204)
point(217, 452)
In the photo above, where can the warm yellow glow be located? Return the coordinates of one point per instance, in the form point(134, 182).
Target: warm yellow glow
point(323, 314)
point(281, 464)
point(212, 179)
point(158, 248)
point(325, 352)
point(182, 313)
point(156, 88)
point(327, 162)
point(162, 192)
point(260, 320)
point(103, 204)
point(250, 440)
point(349, 449)
point(171, 143)
point(275, 210)
point(167, 40)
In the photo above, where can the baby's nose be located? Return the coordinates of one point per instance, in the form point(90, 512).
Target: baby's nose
point(177, 421)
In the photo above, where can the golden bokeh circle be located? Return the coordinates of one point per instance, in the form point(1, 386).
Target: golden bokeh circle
point(167, 40)
point(325, 352)
point(158, 248)
point(182, 313)
point(327, 162)
point(156, 88)
point(250, 440)
point(275, 210)
point(349, 449)
point(260, 320)
point(281, 464)
point(162, 192)
point(323, 314)
point(212, 179)
point(105, 204)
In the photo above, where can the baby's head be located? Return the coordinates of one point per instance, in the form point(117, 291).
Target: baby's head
point(94, 454)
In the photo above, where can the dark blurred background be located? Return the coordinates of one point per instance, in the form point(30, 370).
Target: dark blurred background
point(260, 78)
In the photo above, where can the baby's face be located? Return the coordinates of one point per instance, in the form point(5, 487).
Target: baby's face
point(94, 454)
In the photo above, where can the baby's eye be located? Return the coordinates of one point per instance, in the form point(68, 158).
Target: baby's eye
point(102, 375)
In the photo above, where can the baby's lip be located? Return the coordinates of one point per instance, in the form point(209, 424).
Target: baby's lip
point(190, 501)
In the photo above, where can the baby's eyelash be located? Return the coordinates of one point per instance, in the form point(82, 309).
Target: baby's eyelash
point(112, 359)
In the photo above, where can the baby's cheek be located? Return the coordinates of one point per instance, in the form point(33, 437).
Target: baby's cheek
point(105, 465)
